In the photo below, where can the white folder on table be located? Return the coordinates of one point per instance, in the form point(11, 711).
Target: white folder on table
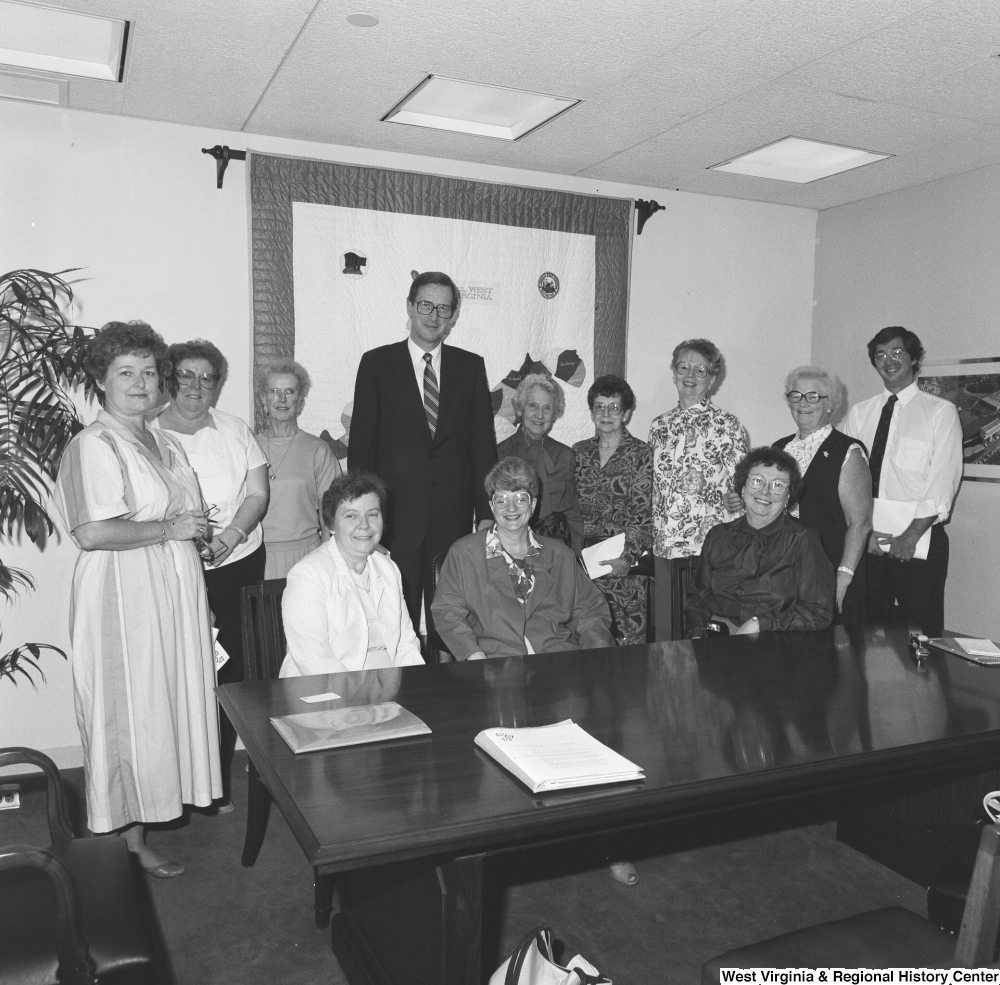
point(893, 516)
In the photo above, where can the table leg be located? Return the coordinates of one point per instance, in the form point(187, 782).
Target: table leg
point(411, 922)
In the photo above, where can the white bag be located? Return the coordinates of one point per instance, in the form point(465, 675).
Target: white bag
point(532, 964)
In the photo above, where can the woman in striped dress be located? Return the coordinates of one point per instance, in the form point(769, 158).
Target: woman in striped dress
point(140, 627)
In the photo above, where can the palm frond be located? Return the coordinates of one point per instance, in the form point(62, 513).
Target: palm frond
point(10, 578)
point(23, 660)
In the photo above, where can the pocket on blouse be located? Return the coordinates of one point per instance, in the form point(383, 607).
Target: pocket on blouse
point(912, 455)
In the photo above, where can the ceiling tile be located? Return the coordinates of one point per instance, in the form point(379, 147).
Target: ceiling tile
point(972, 93)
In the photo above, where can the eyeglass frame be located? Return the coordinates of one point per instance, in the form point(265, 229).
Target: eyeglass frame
point(758, 482)
point(509, 497)
point(704, 374)
point(607, 409)
point(282, 394)
point(430, 306)
point(805, 396)
point(208, 381)
point(896, 353)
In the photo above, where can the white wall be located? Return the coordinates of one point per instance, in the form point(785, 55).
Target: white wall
point(135, 204)
point(925, 258)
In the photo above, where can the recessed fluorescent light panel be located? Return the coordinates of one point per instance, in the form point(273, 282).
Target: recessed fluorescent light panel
point(472, 107)
point(49, 39)
point(798, 160)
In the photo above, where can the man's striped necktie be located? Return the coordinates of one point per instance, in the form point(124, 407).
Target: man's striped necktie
point(431, 395)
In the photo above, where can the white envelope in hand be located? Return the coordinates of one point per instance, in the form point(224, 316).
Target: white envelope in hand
point(893, 516)
point(607, 550)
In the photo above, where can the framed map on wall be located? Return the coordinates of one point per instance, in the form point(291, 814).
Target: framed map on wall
point(973, 386)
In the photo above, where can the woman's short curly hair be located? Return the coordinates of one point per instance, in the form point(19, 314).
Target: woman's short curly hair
point(512, 474)
point(283, 366)
point(768, 456)
point(124, 338)
point(611, 386)
point(542, 382)
point(349, 486)
point(706, 349)
point(196, 349)
point(830, 382)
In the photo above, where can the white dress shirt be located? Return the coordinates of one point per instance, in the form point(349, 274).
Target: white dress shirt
point(923, 453)
point(417, 358)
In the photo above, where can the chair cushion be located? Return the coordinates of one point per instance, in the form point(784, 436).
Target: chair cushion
point(112, 904)
point(888, 938)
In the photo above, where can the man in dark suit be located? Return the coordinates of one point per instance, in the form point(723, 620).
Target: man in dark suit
point(423, 421)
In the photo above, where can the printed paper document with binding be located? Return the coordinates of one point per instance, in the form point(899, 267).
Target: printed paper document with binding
point(352, 725)
point(556, 757)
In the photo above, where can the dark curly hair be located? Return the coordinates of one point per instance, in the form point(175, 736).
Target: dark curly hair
point(911, 343)
point(611, 386)
point(768, 456)
point(196, 349)
point(125, 338)
point(349, 486)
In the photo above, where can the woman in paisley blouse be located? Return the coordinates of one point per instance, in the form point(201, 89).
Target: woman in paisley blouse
point(614, 486)
point(695, 449)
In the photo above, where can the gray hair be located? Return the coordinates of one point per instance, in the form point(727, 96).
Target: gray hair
point(512, 474)
point(708, 350)
point(833, 384)
point(542, 382)
point(285, 366)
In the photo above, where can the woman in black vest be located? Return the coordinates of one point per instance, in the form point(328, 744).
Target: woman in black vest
point(837, 498)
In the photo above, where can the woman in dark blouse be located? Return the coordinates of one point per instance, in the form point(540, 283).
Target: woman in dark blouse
point(764, 571)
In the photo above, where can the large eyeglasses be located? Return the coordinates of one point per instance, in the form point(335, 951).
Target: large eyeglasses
point(282, 394)
point(896, 354)
point(444, 311)
point(812, 397)
point(613, 409)
point(501, 500)
point(186, 378)
point(758, 482)
point(698, 369)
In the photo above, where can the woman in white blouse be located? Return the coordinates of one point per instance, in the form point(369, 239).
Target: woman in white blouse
point(343, 606)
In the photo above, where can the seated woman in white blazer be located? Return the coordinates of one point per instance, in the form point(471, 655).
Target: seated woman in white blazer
point(343, 606)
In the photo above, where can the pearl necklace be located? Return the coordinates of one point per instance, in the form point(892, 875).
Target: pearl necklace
point(272, 470)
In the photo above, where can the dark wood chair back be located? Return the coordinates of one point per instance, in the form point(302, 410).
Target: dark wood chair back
point(436, 651)
point(263, 630)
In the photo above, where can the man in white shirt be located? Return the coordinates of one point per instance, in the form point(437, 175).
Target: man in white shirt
point(915, 441)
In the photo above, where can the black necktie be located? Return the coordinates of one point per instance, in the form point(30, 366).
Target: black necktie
point(878, 445)
point(431, 396)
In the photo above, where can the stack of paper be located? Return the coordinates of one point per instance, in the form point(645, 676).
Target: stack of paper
point(350, 726)
point(595, 556)
point(556, 757)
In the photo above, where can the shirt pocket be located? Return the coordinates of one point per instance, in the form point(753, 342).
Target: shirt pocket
point(912, 455)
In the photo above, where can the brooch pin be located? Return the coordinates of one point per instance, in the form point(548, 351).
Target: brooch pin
point(826, 454)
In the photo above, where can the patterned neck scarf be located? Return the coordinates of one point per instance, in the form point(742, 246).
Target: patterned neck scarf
point(803, 450)
point(521, 570)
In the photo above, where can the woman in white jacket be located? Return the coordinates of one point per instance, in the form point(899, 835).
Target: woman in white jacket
point(343, 607)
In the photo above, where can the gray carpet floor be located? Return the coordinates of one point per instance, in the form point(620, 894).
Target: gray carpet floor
point(226, 925)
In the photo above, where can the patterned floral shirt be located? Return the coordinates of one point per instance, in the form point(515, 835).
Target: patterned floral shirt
point(695, 452)
point(522, 574)
point(615, 499)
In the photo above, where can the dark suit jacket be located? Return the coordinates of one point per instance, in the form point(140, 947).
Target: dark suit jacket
point(434, 484)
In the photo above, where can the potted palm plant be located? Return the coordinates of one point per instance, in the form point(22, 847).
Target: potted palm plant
point(41, 355)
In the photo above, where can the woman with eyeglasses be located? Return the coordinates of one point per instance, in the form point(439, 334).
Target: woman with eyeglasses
point(764, 571)
point(614, 479)
point(300, 468)
point(538, 404)
point(695, 450)
point(505, 591)
point(232, 472)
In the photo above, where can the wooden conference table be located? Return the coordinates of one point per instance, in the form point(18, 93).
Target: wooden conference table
point(719, 725)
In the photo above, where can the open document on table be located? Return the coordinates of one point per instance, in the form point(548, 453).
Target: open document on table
point(556, 757)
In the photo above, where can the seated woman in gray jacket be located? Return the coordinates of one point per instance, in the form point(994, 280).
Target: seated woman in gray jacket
point(505, 591)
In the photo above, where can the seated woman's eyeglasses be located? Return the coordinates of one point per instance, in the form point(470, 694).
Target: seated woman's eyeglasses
point(443, 310)
point(686, 369)
point(613, 409)
point(186, 378)
point(278, 394)
point(501, 500)
point(758, 482)
point(896, 354)
point(812, 397)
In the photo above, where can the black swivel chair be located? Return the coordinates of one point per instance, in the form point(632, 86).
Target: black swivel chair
point(77, 911)
point(263, 653)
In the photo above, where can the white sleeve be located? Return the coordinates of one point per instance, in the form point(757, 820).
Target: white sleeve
point(304, 614)
point(944, 474)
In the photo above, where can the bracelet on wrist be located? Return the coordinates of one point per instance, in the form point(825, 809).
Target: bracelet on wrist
point(846, 570)
point(163, 534)
point(240, 531)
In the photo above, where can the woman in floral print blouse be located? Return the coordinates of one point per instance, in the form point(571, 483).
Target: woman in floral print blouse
point(614, 486)
point(695, 448)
